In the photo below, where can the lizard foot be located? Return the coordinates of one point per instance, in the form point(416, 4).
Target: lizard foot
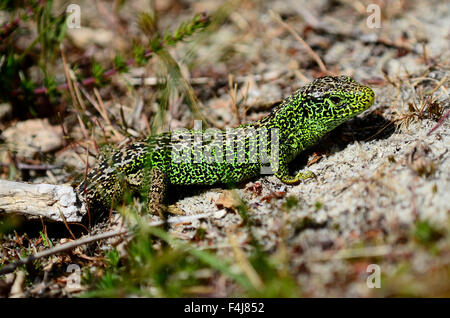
point(162, 210)
point(173, 209)
point(301, 176)
point(158, 209)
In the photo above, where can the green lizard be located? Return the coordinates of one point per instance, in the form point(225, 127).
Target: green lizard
point(201, 157)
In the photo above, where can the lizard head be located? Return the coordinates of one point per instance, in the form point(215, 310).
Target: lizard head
point(332, 100)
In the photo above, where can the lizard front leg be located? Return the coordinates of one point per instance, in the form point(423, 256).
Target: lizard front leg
point(283, 174)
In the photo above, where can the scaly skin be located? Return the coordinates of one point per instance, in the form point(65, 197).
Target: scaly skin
point(151, 165)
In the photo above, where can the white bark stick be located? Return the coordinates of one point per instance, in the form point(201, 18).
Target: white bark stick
point(36, 200)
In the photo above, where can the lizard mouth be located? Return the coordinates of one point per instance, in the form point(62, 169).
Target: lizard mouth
point(360, 101)
point(367, 98)
point(364, 98)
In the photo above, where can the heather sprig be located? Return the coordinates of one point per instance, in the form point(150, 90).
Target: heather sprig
point(186, 29)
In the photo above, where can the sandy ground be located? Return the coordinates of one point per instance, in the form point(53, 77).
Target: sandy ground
point(370, 192)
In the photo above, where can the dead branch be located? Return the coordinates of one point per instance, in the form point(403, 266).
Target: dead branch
point(92, 238)
point(61, 248)
point(39, 200)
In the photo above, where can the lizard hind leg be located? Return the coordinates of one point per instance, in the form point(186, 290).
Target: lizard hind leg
point(157, 189)
point(154, 186)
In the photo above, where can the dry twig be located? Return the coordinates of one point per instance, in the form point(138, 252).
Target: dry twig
point(299, 38)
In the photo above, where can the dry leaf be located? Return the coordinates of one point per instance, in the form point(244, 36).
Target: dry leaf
point(229, 199)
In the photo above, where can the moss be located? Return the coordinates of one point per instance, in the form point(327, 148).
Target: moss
point(426, 234)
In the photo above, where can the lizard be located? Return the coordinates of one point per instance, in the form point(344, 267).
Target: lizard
point(154, 163)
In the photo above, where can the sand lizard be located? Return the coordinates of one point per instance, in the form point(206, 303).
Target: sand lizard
point(300, 120)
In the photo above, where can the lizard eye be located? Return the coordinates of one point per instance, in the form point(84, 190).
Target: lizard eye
point(335, 99)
